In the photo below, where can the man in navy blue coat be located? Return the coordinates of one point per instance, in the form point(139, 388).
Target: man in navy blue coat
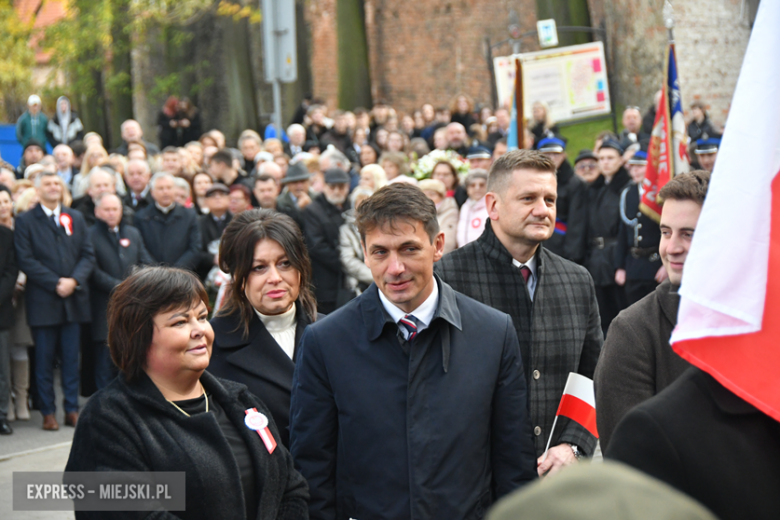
point(54, 250)
point(410, 401)
point(170, 231)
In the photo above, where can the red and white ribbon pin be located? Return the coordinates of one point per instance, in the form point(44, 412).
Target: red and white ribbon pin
point(254, 420)
point(67, 223)
point(124, 242)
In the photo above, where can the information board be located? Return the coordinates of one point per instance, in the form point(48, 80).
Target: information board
point(571, 80)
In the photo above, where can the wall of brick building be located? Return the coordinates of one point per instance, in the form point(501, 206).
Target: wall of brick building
point(420, 51)
point(711, 37)
point(430, 50)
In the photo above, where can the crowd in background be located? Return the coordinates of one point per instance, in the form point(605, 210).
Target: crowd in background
point(177, 198)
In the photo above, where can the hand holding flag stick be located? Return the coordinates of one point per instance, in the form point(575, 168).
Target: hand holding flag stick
point(578, 403)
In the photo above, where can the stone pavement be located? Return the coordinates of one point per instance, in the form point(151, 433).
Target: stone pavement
point(30, 448)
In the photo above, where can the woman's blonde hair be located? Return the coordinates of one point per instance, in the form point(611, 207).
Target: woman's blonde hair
point(377, 173)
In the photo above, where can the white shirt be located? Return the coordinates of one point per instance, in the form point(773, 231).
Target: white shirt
point(167, 209)
point(531, 264)
point(50, 212)
point(282, 329)
point(424, 313)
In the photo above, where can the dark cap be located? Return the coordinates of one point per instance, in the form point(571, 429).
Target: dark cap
point(609, 143)
point(585, 154)
point(295, 173)
point(479, 152)
point(217, 188)
point(33, 142)
point(551, 144)
point(336, 176)
point(639, 158)
point(707, 146)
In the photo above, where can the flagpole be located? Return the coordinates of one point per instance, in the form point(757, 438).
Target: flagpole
point(519, 103)
point(555, 421)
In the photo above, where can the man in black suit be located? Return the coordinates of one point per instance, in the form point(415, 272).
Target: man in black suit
point(137, 176)
point(100, 181)
point(702, 439)
point(54, 251)
point(212, 225)
point(118, 247)
point(170, 231)
point(8, 272)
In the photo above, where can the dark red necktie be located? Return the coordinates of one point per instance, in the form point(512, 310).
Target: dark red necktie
point(526, 272)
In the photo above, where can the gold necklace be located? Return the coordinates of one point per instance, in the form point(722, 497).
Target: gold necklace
point(185, 413)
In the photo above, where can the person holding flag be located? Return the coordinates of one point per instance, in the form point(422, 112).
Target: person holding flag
point(713, 433)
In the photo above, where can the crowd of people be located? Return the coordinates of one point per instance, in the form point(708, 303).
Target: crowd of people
point(402, 296)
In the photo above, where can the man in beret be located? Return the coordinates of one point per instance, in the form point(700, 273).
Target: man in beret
point(568, 238)
point(639, 267)
point(707, 152)
point(603, 228)
point(321, 222)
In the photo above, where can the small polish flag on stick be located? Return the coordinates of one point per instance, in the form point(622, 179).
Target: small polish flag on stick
point(578, 404)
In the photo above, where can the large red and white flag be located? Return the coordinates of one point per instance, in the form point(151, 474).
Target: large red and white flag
point(579, 402)
point(729, 318)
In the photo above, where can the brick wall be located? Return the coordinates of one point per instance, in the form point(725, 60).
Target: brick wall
point(420, 50)
point(429, 50)
point(711, 38)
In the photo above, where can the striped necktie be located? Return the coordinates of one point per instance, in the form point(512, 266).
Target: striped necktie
point(409, 324)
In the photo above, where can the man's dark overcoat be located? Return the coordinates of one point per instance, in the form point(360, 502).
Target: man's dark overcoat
point(173, 239)
point(571, 230)
point(702, 439)
point(8, 273)
point(45, 253)
point(321, 223)
point(131, 427)
point(604, 226)
point(438, 433)
point(637, 361)
point(115, 256)
point(559, 332)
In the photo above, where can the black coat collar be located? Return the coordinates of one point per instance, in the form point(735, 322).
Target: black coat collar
point(259, 351)
point(726, 400)
point(619, 181)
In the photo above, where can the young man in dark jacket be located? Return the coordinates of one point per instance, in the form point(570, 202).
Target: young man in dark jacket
point(410, 401)
point(637, 361)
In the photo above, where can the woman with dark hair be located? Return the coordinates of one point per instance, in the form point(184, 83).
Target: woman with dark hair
point(445, 172)
point(189, 124)
point(270, 303)
point(462, 110)
point(165, 413)
point(201, 182)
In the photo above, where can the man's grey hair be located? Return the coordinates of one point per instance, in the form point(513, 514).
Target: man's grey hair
point(105, 195)
point(262, 169)
point(250, 137)
point(41, 175)
point(295, 127)
point(161, 175)
point(182, 183)
point(142, 162)
point(336, 158)
point(98, 170)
